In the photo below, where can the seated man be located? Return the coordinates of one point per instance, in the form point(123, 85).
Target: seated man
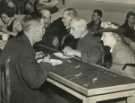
point(57, 30)
point(95, 24)
point(88, 47)
point(121, 54)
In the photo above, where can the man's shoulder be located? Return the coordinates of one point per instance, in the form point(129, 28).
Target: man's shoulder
point(57, 22)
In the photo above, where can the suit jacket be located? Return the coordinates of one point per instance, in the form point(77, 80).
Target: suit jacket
point(26, 75)
point(55, 29)
point(90, 47)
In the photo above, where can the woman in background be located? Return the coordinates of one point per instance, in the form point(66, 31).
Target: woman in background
point(88, 47)
point(127, 30)
point(12, 23)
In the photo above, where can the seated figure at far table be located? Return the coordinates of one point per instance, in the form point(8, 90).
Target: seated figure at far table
point(121, 54)
point(12, 22)
point(95, 24)
point(88, 46)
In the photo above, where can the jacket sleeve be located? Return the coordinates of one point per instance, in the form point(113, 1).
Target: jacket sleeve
point(32, 72)
point(91, 56)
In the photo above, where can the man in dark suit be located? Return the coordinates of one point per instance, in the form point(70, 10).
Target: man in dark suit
point(27, 76)
point(94, 24)
point(56, 32)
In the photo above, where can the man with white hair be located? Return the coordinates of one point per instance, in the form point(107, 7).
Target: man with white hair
point(121, 54)
point(88, 47)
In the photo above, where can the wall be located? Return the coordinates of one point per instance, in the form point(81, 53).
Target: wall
point(114, 10)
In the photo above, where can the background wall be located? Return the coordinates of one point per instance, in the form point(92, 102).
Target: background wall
point(113, 10)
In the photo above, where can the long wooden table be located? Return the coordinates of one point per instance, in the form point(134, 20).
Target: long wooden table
point(91, 83)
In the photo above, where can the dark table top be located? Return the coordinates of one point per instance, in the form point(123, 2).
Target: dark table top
point(84, 77)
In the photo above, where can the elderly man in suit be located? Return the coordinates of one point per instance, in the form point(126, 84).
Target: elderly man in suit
point(88, 46)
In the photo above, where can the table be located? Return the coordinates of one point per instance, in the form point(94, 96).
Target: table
point(91, 83)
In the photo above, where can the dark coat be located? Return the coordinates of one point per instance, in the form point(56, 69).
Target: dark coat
point(91, 48)
point(26, 75)
point(56, 29)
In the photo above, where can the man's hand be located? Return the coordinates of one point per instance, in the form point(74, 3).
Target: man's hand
point(71, 52)
point(39, 54)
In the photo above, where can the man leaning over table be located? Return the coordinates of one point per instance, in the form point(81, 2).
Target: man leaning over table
point(27, 76)
point(89, 48)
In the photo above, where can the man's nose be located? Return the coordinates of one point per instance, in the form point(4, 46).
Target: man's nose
point(102, 38)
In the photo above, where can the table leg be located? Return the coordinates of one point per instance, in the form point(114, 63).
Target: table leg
point(88, 101)
point(131, 99)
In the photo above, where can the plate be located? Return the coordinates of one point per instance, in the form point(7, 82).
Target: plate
point(53, 62)
point(61, 55)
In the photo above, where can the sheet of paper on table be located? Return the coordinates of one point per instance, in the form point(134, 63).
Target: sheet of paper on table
point(61, 55)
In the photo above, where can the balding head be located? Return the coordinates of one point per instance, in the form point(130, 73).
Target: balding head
point(34, 30)
point(78, 27)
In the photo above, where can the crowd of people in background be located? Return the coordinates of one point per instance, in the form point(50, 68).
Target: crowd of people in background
point(27, 24)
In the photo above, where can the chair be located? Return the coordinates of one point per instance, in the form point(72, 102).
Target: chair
point(5, 82)
point(124, 67)
point(129, 68)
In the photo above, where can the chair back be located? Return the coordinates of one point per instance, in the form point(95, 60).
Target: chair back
point(5, 84)
point(129, 69)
